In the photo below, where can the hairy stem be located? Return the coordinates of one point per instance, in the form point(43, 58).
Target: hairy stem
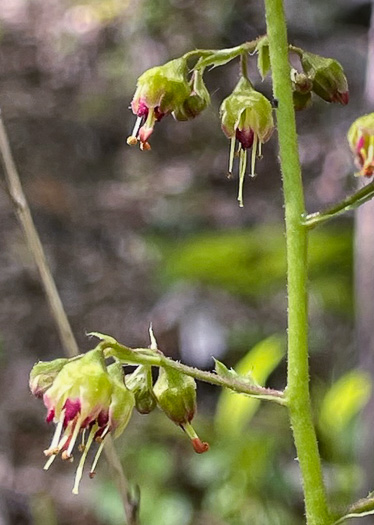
point(67, 338)
point(144, 356)
point(297, 392)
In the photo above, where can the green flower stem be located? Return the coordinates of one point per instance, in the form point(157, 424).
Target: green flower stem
point(144, 356)
point(350, 203)
point(297, 392)
point(219, 57)
point(360, 509)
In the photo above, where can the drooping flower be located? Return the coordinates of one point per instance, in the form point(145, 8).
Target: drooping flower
point(176, 396)
point(84, 397)
point(160, 91)
point(246, 117)
point(361, 141)
point(327, 75)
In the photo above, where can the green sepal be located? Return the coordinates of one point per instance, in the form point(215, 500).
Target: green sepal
point(122, 401)
point(43, 374)
point(263, 57)
point(164, 86)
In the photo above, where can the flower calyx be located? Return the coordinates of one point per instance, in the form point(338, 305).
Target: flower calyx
point(246, 117)
point(361, 142)
point(327, 75)
point(176, 396)
point(160, 91)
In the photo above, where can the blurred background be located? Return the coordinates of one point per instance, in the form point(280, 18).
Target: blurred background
point(137, 237)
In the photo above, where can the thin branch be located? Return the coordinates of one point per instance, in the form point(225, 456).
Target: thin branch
point(350, 203)
point(68, 341)
point(144, 356)
point(33, 241)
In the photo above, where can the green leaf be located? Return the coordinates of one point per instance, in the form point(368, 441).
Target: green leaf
point(263, 59)
point(234, 411)
point(344, 400)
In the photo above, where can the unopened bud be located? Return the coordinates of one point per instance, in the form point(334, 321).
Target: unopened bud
point(329, 80)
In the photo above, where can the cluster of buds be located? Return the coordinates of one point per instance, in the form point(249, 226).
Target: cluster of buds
point(246, 117)
point(164, 90)
point(85, 399)
point(323, 76)
point(88, 400)
point(361, 141)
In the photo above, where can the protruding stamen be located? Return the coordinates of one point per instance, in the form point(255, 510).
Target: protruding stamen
point(253, 157)
point(96, 459)
point(100, 438)
point(242, 168)
point(82, 445)
point(232, 154)
point(79, 472)
point(57, 434)
point(49, 462)
point(77, 428)
point(136, 127)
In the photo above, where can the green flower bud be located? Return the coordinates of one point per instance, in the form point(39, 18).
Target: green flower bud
point(140, 384)
point(196, 102)
point(246, 116)
point(176, 396)
point(43, 374)
point(329, 80)
point(361, 142)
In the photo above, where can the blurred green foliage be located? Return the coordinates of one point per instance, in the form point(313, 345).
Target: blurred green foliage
point(252, 263)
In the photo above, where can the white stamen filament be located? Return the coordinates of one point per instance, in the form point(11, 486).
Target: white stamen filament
point(56, 436)
point(79, 472)
point(74, 436)
point(253, 158)
point(232, 153)
point(49, 462)
point(96, 458)
point(106, 430)
point(242, 168)
point(137, 126)
point(259, 149)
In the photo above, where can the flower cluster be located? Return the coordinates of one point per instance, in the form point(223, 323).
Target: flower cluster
point(361, 141)
point(88, 400)
point(82, 396)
